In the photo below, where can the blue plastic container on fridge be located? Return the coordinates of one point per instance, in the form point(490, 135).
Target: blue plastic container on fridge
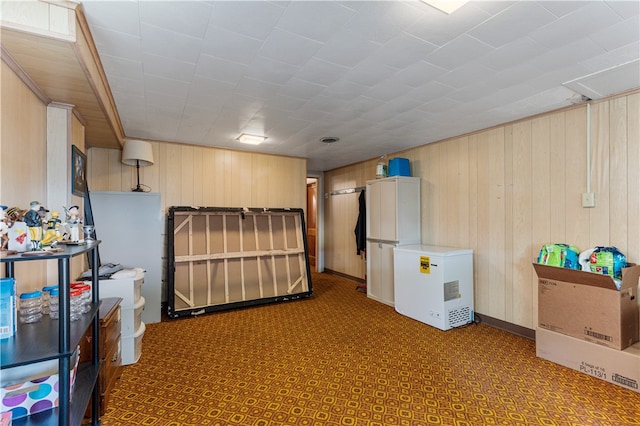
point(399, 167)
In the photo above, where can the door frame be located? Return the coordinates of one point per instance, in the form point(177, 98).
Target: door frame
point(319, 176)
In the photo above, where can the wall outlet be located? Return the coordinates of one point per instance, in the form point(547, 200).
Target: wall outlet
point(588, 199)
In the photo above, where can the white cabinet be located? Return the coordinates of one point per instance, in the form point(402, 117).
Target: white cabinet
point(434, 284)
point(128, 286)
point(393, 219)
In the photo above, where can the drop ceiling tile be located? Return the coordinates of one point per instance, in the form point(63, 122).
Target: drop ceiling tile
point(271, 71)
point(185, 17)
point(618, 35)
point(321, 72)
point(471, 73)
point(574, 26)
point(167, 67)
point(403, 50)
point(618, 56)
point(347, 48)
point(256, 88)
point(512, 54)
point(429, 91)
point(626, 9)
point(286, 103)
point(121, 67)
point(317, 20)
point(398, 16)
point(166, 86)
point(370, 73)
point(387, 90)
point(514, 22)
point(204, 92)
point(289, 48)
point(252, 18)
point(562, 8)
point(433, 28)
point(117, 44)
point(458, 52)
point(219, 69)
point(120, 16)
point(418, 73)
point(346, 90)
point(301, 89)
point(163, 42)
point(230, 45)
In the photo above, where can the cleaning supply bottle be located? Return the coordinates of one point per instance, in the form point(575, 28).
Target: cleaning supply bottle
point(381, 168)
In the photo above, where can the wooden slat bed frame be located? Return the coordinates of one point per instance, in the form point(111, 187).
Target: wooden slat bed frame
point(223, 258)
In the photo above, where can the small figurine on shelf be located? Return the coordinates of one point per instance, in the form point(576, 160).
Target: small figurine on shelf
point(52, 234)
point(33, 219)
point(73, 223)
point(4, 229)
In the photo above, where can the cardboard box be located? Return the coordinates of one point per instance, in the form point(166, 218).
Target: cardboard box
point(621, 368)
point(33, 395)
point(589, 306)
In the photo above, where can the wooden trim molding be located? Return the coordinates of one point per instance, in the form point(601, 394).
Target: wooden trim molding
point(505, 326)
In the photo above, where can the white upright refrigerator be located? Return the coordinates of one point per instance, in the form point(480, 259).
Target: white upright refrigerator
point(131, 228)
point(393, 219)
point(434, 284)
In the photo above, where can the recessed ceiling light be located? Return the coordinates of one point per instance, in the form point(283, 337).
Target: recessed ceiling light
point(447, 6)
point(329, 139)
point(251, 139)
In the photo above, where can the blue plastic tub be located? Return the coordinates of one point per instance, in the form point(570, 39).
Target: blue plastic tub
point(399, 167)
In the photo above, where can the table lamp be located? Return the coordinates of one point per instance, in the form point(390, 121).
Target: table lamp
point(137, 153)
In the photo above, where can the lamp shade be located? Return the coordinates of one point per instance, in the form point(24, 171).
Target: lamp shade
point(137, 151)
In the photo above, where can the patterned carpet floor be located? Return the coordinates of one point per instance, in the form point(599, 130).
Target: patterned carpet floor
point(339, 358)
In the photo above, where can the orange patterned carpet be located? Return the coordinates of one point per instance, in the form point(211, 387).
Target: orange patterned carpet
point(339, 358)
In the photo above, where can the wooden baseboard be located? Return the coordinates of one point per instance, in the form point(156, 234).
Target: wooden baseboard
point(506, 326)
point(349, 277)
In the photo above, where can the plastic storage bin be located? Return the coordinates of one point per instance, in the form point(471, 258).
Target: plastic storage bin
point(399, 167)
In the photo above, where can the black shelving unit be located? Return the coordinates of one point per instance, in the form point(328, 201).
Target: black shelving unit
point(57, 339)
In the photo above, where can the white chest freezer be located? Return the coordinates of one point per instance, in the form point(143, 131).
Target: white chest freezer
point(434, 284)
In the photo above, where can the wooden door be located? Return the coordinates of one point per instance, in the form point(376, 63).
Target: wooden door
point(312, 211)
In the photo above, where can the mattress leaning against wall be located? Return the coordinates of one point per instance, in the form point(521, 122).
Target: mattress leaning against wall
point(224, 258)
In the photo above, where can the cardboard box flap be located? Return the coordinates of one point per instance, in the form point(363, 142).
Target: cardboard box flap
point(630, 276)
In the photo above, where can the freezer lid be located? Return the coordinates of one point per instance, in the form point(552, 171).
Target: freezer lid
point(430, 250)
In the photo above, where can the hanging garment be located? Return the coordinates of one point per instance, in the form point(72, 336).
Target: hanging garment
point(361, 225)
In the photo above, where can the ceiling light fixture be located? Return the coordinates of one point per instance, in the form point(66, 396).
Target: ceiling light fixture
point(447, 6)
point(251, 139)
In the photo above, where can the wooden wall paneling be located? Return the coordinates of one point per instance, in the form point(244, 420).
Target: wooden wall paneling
point(23, 159)
point(172, 163)
point(542, 211)
point(473, 213)
point(150, 175)
point(483, 249)
point(523, 187)
point(121, 177)
point(429, 187)
point(511, 224)
point(599, 217)
point(497, 214)
point(448, 193)
point(557, 179)
point(618, 171)
point(463, 195)
point(208, 176)
point(260, 183)
point(98, 169)
point(633, 178)
point(189, 184)
point(577, 217)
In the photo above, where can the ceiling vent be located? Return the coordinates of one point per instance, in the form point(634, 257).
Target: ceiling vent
point(329, 139)
point(611, 81)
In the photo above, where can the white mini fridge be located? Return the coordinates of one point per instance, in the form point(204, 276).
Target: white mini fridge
point(434, 284)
